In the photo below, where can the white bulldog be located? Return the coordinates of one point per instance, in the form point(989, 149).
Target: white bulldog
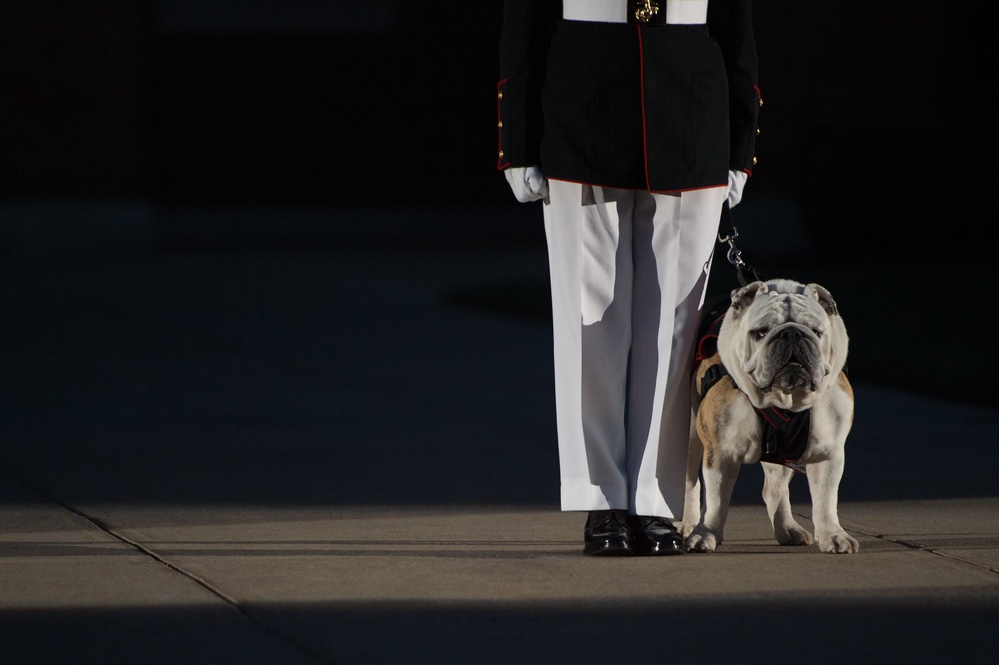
point(785, 401)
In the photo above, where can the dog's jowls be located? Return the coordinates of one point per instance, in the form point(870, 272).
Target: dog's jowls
point(783, 344)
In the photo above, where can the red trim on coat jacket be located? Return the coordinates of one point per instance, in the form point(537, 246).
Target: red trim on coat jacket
point(636, 189)
point(641, 85)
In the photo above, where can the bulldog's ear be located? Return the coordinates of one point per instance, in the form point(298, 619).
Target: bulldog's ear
point(744, 297)
point(825, 298)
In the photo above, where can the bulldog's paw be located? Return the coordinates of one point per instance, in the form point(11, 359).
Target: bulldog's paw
point(792, 534)
point(839, 542)
point(702, 540)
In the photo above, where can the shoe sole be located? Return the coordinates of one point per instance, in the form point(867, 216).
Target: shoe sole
point(607, 550)
point(651, 552)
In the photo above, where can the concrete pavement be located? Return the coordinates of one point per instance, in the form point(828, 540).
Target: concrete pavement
point(226, 439)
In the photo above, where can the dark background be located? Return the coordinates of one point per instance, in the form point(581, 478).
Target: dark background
point(171, 377)
point(875, 143)
point(874, 119)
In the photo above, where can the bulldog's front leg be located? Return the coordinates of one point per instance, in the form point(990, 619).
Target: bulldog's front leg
point(719, 481)
point(823, 483)
point(692, 489)
point(776, 494)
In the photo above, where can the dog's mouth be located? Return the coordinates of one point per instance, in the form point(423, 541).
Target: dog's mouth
point(792, 358)
point(792, 376)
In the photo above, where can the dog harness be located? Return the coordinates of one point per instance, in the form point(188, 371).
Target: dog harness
point(785, 433)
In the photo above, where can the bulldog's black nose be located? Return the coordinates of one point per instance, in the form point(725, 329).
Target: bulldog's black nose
point(790, 334)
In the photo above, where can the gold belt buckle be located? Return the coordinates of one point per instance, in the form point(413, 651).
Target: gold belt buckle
point(646, 11)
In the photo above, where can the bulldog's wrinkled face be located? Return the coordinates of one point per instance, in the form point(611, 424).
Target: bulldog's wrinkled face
point(782, 342)
point(784, 336)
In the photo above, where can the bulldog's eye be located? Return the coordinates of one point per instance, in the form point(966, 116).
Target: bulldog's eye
point(759, 333)
point(818, 332)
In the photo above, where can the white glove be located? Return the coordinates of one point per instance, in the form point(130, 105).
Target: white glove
point(527, 183)
point(736, 182)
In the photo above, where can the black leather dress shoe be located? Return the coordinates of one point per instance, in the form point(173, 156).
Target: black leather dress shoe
point(655, 536)
point(607, 533)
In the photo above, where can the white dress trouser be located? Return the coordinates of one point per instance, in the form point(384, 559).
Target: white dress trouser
point(628, 273)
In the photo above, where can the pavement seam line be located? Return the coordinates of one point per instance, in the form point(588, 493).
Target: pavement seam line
point(931, 550)
point(922, 548)
point(954, 558)
point(911, 546)
point(205, 584)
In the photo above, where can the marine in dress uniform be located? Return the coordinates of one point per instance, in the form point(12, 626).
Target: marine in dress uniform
point(634, 121)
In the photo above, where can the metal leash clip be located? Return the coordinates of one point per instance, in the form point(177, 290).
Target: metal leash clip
point(734, 254)
point(727, 233)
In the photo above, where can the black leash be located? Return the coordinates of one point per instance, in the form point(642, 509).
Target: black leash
point(714, 311)
point(727, 233)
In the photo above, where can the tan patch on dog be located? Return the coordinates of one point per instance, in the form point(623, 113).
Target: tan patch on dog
point(844, 384)
point(714, 415)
